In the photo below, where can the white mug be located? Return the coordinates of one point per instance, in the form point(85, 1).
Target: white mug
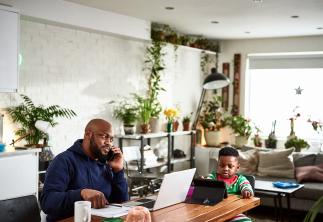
point(82, 211)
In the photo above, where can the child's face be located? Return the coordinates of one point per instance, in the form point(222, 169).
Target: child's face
point(227, 166)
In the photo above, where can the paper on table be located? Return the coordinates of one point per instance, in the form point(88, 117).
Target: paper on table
point(111, 211)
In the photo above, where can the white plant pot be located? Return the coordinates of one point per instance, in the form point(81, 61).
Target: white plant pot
point(155, 125)
point(241, 140)
point(129, 130)
point(213, 138)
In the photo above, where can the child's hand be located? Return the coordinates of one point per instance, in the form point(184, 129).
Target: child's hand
point(246, 194)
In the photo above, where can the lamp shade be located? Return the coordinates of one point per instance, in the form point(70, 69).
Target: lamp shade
point(215, 80)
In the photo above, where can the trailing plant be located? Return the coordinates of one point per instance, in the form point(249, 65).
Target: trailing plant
point(155, 64)
point(27, 113)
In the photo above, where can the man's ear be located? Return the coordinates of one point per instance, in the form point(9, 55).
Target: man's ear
point(88, 134)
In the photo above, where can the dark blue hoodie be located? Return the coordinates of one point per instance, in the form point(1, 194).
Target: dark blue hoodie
point(69, 173)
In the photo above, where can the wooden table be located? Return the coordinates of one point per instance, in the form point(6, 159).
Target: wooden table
point(222, 211)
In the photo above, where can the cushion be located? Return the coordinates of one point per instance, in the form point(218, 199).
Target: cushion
point(277, 163)
point(306, 160)
point(248, 162)
point(319, 159)
point(309, 173)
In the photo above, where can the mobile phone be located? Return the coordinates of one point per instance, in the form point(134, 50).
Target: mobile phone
point(110, 155)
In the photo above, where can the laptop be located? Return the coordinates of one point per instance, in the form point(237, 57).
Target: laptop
point(207, 192)
point(173, 190)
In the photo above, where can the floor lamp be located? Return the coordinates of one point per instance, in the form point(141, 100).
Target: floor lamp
point(214, 80)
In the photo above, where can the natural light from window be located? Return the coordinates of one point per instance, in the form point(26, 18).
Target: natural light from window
point(279, 94)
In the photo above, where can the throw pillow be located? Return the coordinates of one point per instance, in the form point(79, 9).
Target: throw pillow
point(305, 160)
point(309, 173)
point(248, 161)
point(277, 163)
point(319, 159)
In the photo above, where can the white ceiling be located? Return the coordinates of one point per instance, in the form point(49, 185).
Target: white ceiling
point(270, 18)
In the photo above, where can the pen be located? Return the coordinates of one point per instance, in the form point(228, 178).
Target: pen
point(116, 205)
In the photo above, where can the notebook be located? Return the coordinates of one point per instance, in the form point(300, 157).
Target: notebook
point(207, 192)
point(173, 190)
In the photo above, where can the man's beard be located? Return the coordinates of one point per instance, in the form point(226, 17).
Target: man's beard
point(97, 152)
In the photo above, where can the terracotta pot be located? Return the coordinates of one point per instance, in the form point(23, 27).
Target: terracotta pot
point(186, 126)
point(175, 125)
point(145, 128)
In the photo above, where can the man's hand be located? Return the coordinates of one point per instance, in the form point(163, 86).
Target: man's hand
point(117, 162)
point(246, 194)
point(97, 198)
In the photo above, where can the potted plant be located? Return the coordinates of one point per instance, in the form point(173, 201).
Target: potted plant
point(170, 114)
point(186, 122)
point(296, 142)
point(241, 127)
point(257, 140)
point(145, 110)
point(127, 112)
point(27, 113)
point(271, 141)
point(212, 120)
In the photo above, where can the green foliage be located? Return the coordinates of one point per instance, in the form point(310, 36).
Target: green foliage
point(311, 215)
point(187, 118)
point(296, 142)
point(240, 125)
point(27, 113)
point(125, 111)
point(212, 116)
point(145, 109)
point(154, 63)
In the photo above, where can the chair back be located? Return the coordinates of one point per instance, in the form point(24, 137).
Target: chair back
point(252, 181)
point(24, 209)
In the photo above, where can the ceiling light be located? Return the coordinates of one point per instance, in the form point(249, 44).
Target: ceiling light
point(319, 28)
point(214, 22)
point(294, 16)
point(257, 1)
point(247, 32)
point(169, 8)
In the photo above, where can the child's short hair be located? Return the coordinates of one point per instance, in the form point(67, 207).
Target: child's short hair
point(228, 151)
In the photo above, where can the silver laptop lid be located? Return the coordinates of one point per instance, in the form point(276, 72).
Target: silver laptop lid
point(174, 188)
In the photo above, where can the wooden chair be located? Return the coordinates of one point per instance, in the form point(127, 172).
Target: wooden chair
point(24, 209)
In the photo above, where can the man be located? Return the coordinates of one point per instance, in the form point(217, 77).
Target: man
point(83, 172)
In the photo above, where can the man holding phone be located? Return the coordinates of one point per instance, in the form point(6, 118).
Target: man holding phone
point(91, 169)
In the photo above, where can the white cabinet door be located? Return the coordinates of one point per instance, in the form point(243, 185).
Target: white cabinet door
point(19, 175)
point(9, 37)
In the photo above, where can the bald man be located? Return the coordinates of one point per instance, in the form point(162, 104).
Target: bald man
point(85, 171)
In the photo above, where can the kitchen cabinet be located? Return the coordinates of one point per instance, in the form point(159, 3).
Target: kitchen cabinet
point(9, 46)
point(146, 139)
point(19, 173)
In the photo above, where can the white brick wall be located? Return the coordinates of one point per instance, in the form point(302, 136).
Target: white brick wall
point(83, 71)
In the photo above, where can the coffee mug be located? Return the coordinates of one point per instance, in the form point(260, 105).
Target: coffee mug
point(82, 211)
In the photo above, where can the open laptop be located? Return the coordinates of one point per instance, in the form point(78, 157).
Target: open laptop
point(207, 192)
point(173, 190)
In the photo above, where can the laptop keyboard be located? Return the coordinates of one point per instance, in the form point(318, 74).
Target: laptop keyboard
point(149, 205)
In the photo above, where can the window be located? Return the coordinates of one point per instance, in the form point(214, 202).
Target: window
point(282, 85)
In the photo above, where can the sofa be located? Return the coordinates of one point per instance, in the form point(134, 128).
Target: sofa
point(286, 165)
